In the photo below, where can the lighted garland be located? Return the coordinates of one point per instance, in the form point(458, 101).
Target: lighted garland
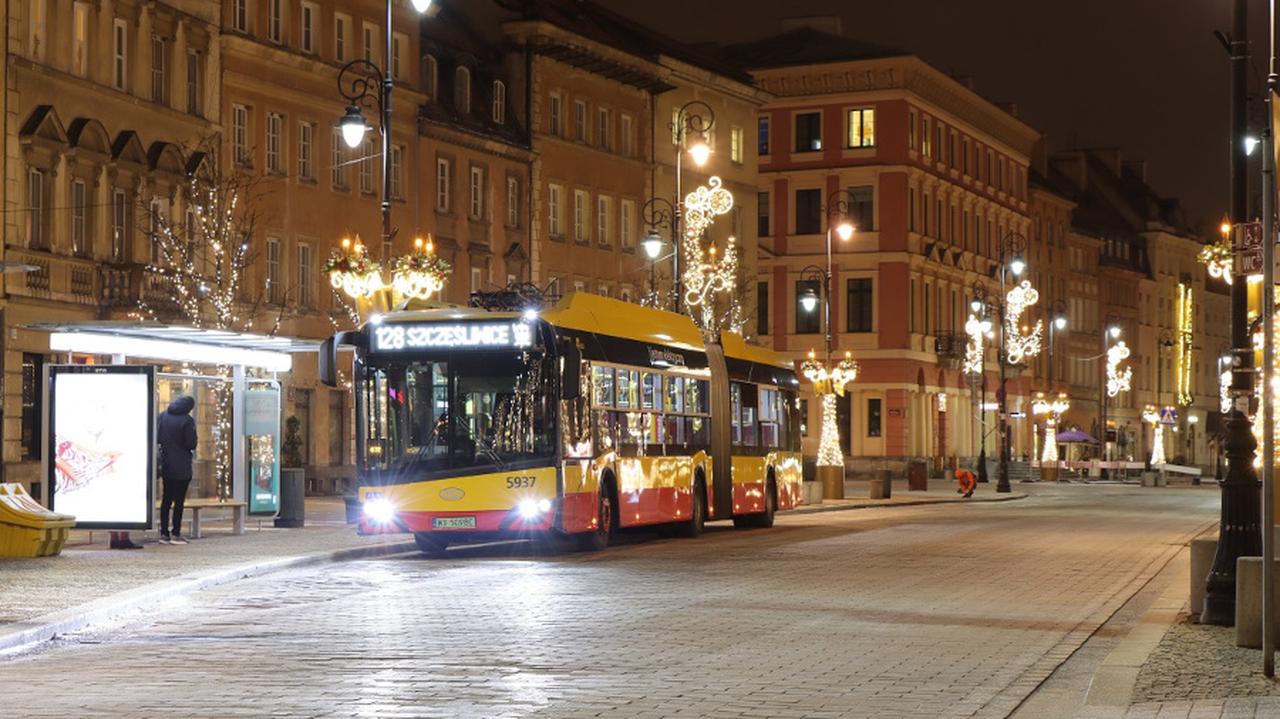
point(417, 275)
point(1185, 345)
point(705, 274)
point(974, 352)
point(829, 383)
point(1118, 381)
point(1218, 259)
point(352, 271)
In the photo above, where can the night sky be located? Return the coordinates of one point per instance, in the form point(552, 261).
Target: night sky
point(1134, 74)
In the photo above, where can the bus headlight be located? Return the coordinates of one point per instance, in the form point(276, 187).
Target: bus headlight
point(380, 510)
point(531, 508)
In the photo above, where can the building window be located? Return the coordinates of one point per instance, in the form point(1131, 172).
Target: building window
point(398, 43)
point(555, 210)
point(462, 90)
point(337, 160)
point(926, 142)
point(762, 136)
point(580, 200)
point(808, 132)
point(119, 223)
point(602, 127)
point(240, 15)
point(366, 166)
point(862, 127)
point(120, 54)
point(762, 308)
point(477, 279)
point(735, 144)
point(193, 82)
point(808, 212)
point(158, 74)
point(306, 282)
point(626, 222)
point(499, 102)
point(873, 417)
point(513, 202)
point(964, 155)
point(912, 129)
point(858, 304)
point(310, 14)
point(555, 117)
point(275, 127)
point(604, 207)
point(306, 134)
point(431, 76)
point(477, 192)
point(444, 175)
point(808, 322)
point(862, 208)
point(937, 141)
point(240, 134)
point(80, 39)
point(36, 231)
point(370, 52)
point(626, 130)
point(80, 216)
point(275, 20)
point(580, 121)
point(397, 162)
point(341, 36)
point(762, 215)
point(275, 287)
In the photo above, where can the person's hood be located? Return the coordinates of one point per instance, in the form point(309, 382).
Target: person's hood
point(182, 405)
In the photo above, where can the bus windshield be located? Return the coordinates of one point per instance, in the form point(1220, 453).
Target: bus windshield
point(461, 414)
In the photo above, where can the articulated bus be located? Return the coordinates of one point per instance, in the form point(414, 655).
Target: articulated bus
point(575, 421)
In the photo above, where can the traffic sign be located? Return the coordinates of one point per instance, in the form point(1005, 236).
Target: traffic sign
point(1168, 416)
point(1248, 248)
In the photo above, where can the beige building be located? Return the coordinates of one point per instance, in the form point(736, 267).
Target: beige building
point(103, 100)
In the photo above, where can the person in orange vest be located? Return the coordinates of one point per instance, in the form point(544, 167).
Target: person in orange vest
point(967, 482)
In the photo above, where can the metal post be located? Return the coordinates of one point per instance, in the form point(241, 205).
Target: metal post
point(826, 294)
point(1240, 531)
point(387, 85)
point(1268, 359)
point(676, 215)
point(1102, 403)
point(239, 485)
point(1002, 475)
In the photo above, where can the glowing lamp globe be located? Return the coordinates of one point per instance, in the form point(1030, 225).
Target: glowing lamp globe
point(353, 127)
point(652, 245)
point(1060, 322)
point(700, 153)
point(844, 230)
point(1114, 331)
point(421, 5)
point(1016, 266)
point(809, 301)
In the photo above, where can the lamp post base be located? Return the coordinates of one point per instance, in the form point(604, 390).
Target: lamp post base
point(832, 479)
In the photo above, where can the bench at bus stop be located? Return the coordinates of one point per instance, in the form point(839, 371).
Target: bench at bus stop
point(194, 507)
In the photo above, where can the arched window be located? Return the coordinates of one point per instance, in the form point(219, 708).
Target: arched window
point(429, 77)
point(462, 90)
point(499, 102)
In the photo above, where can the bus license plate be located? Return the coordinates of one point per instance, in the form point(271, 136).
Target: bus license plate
point(453, 523)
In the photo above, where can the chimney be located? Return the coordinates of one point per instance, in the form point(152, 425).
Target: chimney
point(1109, 156)
point(829, 24)
point(1137, 167)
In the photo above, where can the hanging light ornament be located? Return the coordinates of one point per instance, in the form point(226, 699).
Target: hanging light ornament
point(1217, 259)
point(417, 275)
point(706, 274)
point(1020, 345)
point(1118, 381)
point(421, 273)
point(1053, 409)
point(1152, 415)
point(974, 351)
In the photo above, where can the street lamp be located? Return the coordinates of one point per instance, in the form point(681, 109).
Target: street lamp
point(1011, 304)
point(830, 454)
point(698, 118)
point(657, 212)
point(364, 84)
point(979, 330)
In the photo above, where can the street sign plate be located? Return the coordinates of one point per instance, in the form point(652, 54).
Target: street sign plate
point(1168, 416)
point(1248, 248)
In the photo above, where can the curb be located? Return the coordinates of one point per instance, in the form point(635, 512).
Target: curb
point(24, 634)
point(878, 504)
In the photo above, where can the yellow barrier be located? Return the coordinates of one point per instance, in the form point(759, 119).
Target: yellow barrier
point(28, 529)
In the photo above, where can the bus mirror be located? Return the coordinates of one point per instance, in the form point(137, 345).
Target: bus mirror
point(328, 362)
point(571, 376)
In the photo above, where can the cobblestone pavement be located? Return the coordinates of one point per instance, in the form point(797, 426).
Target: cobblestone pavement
point(85, 572)
point(937, 611)
point(1195, 661)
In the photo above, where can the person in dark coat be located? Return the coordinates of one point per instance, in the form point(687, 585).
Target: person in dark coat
point(176, 437)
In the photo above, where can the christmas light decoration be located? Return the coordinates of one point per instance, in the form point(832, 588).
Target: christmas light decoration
point(1185, 346)
point(829, 384)
point(974, 352)
point(1053, 410)
point(703, 206)
point(1118, 381)
point(1224, 392)
point(706, 274)
point(1152, 415)
point(1020, 345)
point(417, 275)
point(1217, 258)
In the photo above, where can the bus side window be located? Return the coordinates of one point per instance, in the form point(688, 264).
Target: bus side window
point(735, 413)
point(769, 418)
point(750, 401)
point(603, 385)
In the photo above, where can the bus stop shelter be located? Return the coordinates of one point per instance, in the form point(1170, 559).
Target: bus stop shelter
point(266, 355)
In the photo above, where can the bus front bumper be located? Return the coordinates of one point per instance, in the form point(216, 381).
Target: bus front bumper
point(530, 516)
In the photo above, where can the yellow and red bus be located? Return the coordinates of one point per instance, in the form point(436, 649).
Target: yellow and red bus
point(583, 418)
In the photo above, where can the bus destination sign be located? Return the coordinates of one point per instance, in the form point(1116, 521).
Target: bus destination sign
point(469, 335)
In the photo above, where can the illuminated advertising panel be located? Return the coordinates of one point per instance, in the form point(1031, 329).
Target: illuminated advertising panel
point(397, 337)
point(100, 450)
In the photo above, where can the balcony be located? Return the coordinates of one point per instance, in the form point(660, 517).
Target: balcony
point(950, 348)
point(56, 278)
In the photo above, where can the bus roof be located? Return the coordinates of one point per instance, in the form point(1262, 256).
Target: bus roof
point(587, 312)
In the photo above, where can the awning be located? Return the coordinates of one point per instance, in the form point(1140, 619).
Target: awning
point(176, 343)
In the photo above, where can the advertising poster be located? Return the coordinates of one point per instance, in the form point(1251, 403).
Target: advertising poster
point(100, 454)
point(262, 430)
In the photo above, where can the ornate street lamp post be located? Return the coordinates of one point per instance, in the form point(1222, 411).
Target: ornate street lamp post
point(696, 119)
point(829, 380)
point(657, 213)
point(978, 328)
point(1014, 346)
point(363, 84)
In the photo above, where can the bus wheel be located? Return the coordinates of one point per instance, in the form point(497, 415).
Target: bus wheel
point(431, 546)
point(598, 539)
point(698, 510)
